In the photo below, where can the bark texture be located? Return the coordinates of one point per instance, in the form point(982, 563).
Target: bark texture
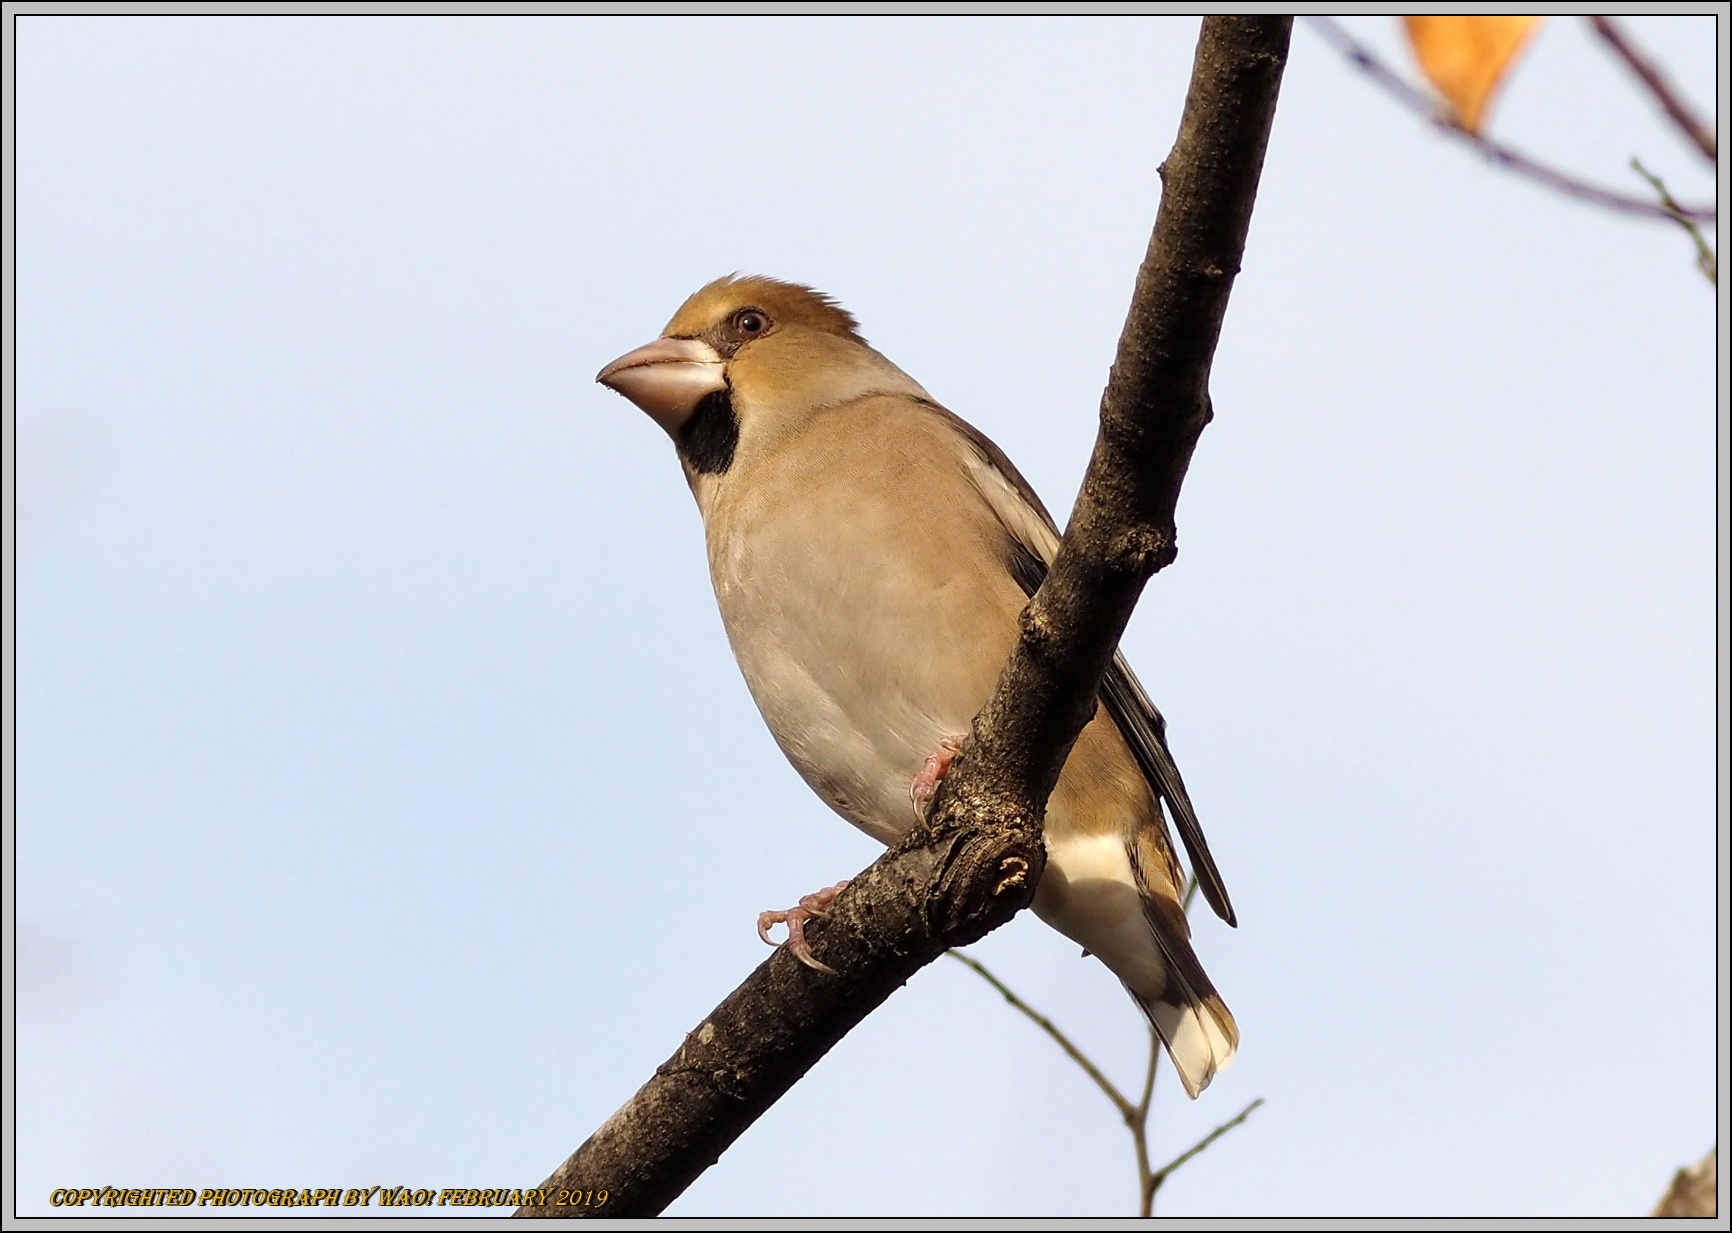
point(976, 863)
point(1694, 1191)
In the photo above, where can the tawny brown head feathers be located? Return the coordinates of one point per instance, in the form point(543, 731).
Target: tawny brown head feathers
point(710, 312)
point(746, 362)
point(753, 355)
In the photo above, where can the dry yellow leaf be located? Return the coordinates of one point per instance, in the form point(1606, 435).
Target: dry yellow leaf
point(1466, 57)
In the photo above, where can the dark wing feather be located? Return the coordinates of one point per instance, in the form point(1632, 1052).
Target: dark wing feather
point(1139, 722)
point(1145, 731)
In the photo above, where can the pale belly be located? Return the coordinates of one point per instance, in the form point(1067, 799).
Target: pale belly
point(861, 673)
point(865, 635)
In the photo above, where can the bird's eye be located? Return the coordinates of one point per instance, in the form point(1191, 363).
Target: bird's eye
point(751, 321)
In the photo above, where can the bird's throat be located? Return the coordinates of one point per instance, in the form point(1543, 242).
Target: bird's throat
point(707, 439)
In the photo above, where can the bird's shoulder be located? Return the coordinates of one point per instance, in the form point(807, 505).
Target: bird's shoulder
point(896, 455)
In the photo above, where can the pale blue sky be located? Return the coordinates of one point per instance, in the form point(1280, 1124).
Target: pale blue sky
point(389, 803)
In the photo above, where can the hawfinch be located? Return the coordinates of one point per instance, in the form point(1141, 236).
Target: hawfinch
point(871, 553)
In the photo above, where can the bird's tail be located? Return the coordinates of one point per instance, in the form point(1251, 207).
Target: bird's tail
point(1198, 1031)
point(1187, 1014)
point(1120, 901)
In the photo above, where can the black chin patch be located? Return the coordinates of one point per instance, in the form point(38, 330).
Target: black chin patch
point(707, 440)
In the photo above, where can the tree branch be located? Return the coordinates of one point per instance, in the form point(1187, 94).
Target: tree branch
point(1504, 156)
point(1680, 112)
point(976, 863)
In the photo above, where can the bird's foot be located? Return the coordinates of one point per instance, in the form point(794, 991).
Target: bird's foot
point(795, 918)
point(925, 785)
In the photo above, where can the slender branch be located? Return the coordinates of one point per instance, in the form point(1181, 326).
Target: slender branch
point(1681, 113)
point(1706, 261)
point(1149, 1075)
point(1126, 1109)
point(1166, 1171)
point(1140, 1131)
point(976, 862)
point(1504, 156)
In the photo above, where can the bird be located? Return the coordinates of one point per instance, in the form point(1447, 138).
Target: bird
point(870, 553)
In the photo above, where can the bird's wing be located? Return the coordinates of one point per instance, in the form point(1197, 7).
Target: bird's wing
point(1035, 539)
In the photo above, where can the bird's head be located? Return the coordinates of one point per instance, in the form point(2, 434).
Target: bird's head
point(747, 357)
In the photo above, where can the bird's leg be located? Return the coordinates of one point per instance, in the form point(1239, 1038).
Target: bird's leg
point(795, 918)
point(925, 785)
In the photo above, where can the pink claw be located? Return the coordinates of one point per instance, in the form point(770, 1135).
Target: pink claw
point(795, 918)
point(925, 785)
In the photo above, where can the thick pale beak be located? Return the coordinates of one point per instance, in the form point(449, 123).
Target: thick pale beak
point(667, 378)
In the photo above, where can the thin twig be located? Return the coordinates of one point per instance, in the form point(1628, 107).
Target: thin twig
point(1162, 1174)
point(1149, 1077)
point(1504, 156)
point(1126, 1110)
point(1706, 261)
point(1140, 1131)
point(1681, 113)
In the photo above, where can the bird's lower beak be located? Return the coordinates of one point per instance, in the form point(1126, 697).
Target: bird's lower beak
point(667, 378)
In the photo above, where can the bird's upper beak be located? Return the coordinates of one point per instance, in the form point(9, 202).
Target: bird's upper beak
point(667, 378)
